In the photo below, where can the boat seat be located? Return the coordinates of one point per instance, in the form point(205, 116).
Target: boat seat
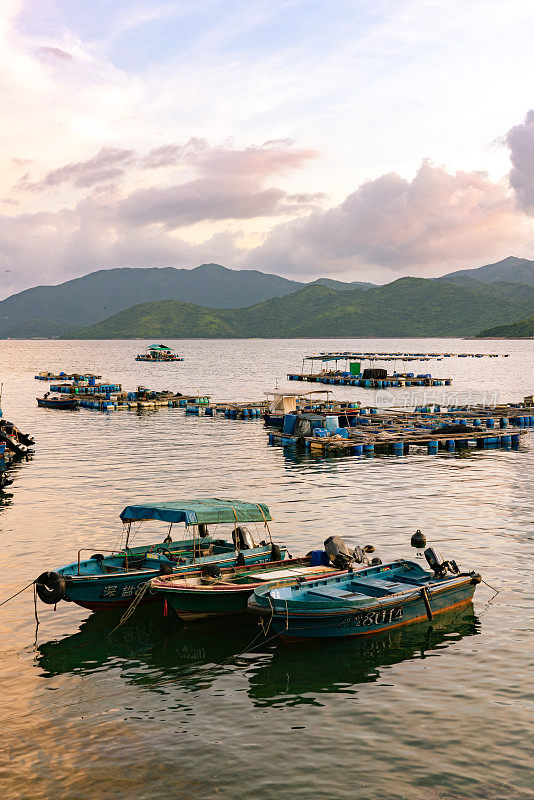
point(377, 587)
point(333, 593)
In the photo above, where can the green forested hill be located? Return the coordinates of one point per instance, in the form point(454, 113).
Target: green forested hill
point(524, 329)
point(406, 307)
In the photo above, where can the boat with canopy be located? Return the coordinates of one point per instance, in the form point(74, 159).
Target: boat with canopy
point(112, 578)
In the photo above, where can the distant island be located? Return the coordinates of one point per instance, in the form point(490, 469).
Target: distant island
point(212, 301)
point(524, 329)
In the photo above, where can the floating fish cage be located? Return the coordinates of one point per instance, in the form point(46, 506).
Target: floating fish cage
point(397, 380)
point(367, 431)
point(91, 387)
point(399, 443)
point(64, 376)
point(157, 354)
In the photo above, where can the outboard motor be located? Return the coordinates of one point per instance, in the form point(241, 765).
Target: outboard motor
point(438, 565)
point(338, 552)
point(361, 555)
point(243, 538)
point(435, 562)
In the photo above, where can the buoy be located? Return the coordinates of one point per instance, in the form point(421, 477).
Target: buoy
point(418, 540)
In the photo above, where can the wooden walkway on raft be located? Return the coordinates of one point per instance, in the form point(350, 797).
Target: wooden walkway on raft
point(398, 443)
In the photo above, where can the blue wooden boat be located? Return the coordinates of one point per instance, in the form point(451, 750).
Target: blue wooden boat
point(374, 599)
point(112, 578)
point(69, 403)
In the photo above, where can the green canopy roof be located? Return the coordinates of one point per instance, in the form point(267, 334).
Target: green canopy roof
point(159, 347)
point(209, 510)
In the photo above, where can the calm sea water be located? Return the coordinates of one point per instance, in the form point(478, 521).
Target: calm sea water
point(437, 711)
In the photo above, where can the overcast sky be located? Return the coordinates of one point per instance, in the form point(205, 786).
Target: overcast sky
point(344, 138)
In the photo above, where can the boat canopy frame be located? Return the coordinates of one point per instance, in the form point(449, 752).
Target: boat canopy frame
point(206, 511)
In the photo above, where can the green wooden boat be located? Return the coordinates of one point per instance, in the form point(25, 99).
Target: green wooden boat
point(214, 592)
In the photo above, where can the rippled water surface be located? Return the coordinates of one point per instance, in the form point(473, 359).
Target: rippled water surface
point(441, 710)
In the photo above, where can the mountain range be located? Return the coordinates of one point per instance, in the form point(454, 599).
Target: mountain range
point(50, 311)
point(249, 303)
point(406, 307)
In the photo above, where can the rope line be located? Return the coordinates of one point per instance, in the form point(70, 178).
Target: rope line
point(133, 606)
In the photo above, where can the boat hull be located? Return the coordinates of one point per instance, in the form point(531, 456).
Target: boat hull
point(374, 618)
point(65, 404)
point(216, 604)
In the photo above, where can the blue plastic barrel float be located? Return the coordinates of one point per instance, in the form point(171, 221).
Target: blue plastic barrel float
point(450, 445)
point(516, 439)
point(398, 449)
point(490, 422)
point(503, 422)
point(432, 447)
point(506, 440)
point(358, 449)
point(369, 449)
point(289, 423)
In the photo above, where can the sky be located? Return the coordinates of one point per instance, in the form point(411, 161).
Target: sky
point(343, 138)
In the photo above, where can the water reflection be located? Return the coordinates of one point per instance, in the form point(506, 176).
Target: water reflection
point(155, 650)
point(300, 673)
point(151, 639)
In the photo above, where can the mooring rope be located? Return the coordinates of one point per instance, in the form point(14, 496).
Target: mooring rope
point(132, 607)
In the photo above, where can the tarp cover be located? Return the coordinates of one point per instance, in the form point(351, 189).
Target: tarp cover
point(209, 510)
point(159, 347)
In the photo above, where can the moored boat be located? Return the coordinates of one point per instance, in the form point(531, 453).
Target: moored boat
point(68, 403)
point(112, 578)
point(213, 593)
point(375, 599)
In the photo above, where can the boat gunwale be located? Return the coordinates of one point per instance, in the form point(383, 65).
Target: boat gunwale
point(114, 575)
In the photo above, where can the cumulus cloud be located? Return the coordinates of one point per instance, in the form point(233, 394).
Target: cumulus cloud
point(520, 140)
point(434, 219)
point(111, 226)
point(44, 247)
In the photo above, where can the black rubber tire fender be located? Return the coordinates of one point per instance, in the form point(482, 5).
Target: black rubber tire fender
point(51, 587)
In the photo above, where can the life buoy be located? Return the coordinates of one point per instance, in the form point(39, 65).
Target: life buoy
point(50, 587)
